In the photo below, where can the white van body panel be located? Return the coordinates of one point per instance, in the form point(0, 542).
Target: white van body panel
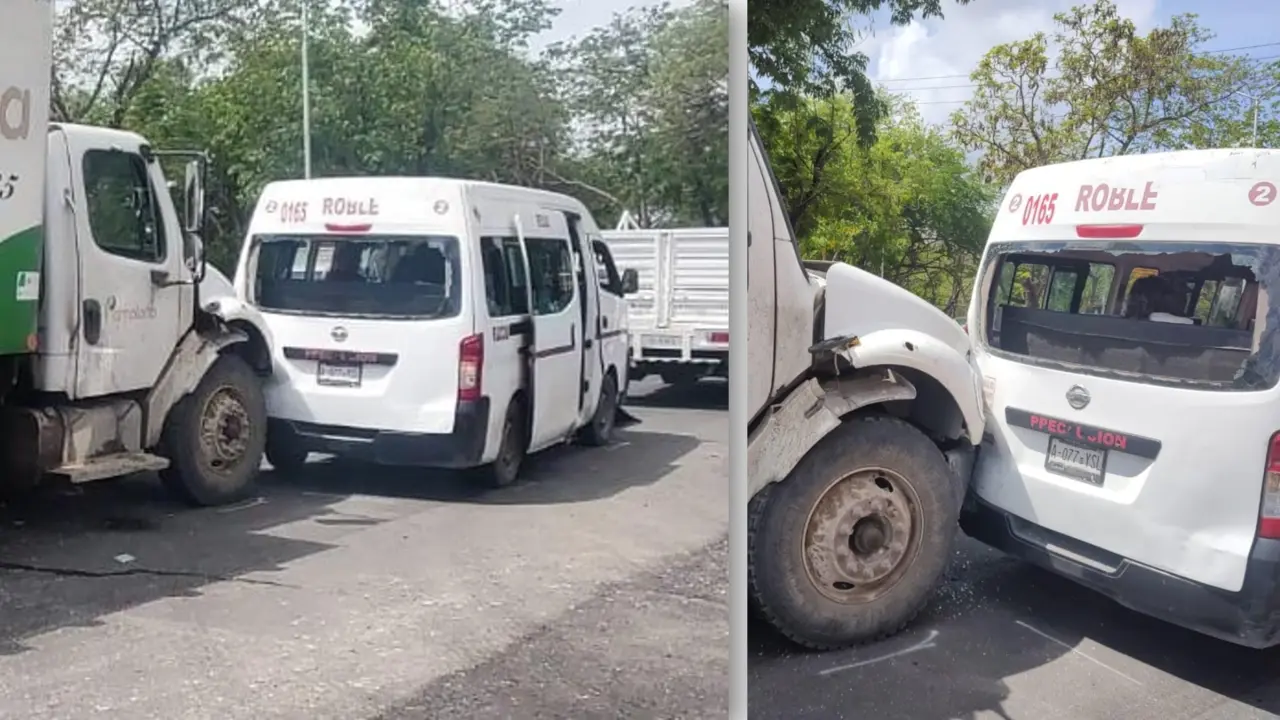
point(1192, 510)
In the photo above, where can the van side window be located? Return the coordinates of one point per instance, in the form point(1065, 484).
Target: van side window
point(606, 271)
point(123, 216)
point(504, 277)
point(550, 274)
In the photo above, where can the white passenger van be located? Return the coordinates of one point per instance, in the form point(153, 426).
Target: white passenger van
point(434, 322)
point(1130, 354)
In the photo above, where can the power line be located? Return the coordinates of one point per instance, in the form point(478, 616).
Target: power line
point(1202, 52)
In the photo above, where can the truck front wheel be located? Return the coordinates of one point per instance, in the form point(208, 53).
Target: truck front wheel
point(848, 548)
point(215, 436)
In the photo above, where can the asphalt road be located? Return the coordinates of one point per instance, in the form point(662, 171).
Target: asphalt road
point(1005, 640)
point(597, 588)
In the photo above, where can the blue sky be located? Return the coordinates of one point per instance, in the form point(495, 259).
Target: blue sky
point(931, 60)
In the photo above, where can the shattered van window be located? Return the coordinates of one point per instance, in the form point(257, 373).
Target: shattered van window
point(1173, 313)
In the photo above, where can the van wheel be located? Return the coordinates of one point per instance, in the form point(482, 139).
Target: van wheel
point(215, 436)
point(505, 469)
point(285, 453)
point(599, 431)
point(849, 547)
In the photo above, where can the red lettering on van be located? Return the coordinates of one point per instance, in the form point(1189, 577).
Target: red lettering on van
point(1039, 209)
point(1097, 198)
point(342, 206)
point(292, 212)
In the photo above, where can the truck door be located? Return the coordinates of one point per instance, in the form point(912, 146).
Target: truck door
point(556, 352)
point(130, 252)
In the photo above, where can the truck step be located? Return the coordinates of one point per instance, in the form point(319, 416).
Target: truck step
point(110, 466)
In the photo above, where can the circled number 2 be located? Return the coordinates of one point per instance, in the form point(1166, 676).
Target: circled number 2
point(1039, 209)
point(1264, 193)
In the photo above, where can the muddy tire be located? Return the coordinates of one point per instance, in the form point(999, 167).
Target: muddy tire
point(505, 469)
point(285, 453)
point(599, 431)
point(849, 547)
point(215, 436)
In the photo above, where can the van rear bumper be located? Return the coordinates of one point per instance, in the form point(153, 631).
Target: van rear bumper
point(1250, 617)
point(461, 448)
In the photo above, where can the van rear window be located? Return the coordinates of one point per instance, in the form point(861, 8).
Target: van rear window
point(1179, 314)
point(367, 276)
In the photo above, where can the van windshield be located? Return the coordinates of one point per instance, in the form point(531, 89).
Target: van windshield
point(369, 276)
point(1169, 313)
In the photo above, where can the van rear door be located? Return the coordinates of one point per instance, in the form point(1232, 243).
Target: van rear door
point(368, 327)
point(1130, 363)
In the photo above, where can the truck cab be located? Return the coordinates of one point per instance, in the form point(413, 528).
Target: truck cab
point(865, 411)
point(127, 349)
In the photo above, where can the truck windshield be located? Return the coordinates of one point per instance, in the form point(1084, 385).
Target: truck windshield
point(412, 277)
point(1180, 314)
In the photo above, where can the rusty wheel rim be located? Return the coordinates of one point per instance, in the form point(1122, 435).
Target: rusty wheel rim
point(862, 535)
point(225, 430)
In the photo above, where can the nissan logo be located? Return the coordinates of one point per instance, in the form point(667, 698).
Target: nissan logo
point(1078, 397)
point(339, 334)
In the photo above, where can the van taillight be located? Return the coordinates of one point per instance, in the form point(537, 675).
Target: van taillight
point(470, 364)
point(1269, 523)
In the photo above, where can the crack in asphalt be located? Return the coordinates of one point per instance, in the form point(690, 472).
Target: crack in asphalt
point(135, 571)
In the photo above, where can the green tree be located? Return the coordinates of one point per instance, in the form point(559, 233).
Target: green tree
point(408, 87)
point(649, 95)
point(909, 207)
point(808, 48)
point(105, 51)
point(1111, 91)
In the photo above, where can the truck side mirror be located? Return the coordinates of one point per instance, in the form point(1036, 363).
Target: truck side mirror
point(195, 257)
point(630, 281)
point(193, 197)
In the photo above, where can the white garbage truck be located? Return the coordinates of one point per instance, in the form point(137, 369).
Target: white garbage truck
point(865, 411)
point(120, 351)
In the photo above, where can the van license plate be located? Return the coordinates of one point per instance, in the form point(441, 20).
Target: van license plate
point(338, 374)
point(1076, 461)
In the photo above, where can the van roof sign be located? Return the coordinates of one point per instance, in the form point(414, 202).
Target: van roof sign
point(1230, 189)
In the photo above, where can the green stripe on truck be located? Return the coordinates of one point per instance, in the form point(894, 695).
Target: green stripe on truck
point(19, 255)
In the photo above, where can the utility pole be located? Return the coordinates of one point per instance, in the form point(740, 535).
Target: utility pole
point(1256, 101)
point(306, 96)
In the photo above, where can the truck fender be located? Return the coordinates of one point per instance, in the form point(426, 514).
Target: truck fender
point(240, 315)
point(195, 354)
point(807, 414)
point(930, 356)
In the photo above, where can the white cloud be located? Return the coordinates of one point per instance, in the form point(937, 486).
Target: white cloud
point(938, 55)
